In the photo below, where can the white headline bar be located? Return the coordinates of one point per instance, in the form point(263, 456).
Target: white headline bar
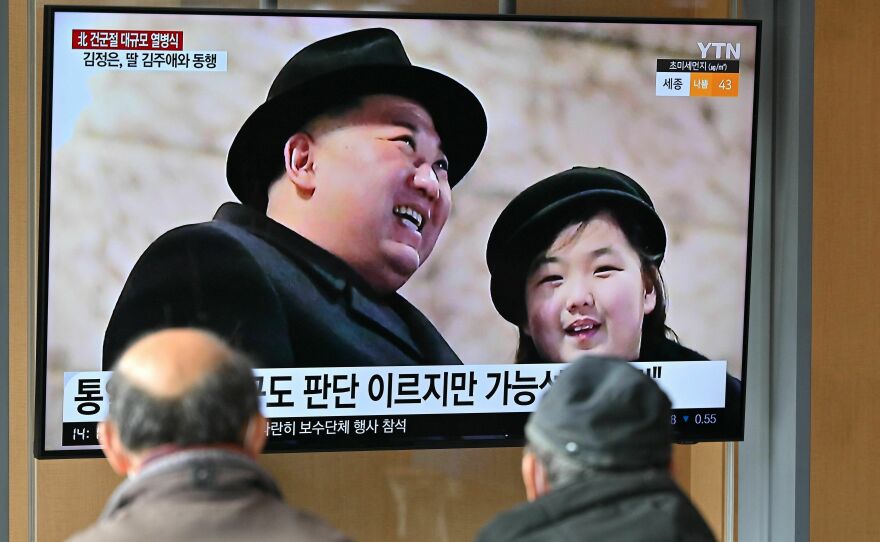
point(395, 391)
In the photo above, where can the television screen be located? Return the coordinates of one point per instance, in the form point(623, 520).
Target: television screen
point(362, 289)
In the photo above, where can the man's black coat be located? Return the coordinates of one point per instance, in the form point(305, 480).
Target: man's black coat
point(637, 506)
point(271, 293)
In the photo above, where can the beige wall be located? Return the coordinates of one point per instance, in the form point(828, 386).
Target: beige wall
point(405, 495)
point(844, 471)
point(20, 396)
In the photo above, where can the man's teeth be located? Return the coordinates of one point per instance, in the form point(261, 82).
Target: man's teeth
point(585, 327)
point(410, 214)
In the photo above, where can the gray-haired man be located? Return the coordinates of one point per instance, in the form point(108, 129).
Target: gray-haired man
point(184, 426)
point(596, 464)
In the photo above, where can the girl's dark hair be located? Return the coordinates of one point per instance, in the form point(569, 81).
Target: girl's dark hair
point(654, 328)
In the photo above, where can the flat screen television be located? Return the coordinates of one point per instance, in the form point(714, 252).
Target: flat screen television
point(141, 106)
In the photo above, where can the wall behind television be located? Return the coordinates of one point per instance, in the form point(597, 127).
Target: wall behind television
point(845, 436)
point(427, 495)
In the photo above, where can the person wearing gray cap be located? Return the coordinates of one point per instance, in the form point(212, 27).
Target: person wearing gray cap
point(596, 464)
point(345, 177)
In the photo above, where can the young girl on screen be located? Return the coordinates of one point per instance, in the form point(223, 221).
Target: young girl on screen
point(575, 263)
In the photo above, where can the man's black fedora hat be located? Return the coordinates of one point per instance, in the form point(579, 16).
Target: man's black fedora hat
point(535, 216)
point(332, 72)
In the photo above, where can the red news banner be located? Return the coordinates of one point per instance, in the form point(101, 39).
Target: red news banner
point(138, 40)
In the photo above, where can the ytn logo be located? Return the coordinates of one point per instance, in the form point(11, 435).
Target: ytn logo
point(731, 50)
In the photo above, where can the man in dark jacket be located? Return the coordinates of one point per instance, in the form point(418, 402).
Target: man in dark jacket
point(596, 464)
point(345, 175)
point(185, 427)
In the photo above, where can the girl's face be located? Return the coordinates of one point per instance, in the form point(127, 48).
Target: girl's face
point(587, 294)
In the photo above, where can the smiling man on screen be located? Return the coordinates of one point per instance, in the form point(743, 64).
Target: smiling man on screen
point(345, 176)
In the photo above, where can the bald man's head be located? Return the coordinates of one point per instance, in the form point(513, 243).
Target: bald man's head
point(183, 387)
point(167, 363)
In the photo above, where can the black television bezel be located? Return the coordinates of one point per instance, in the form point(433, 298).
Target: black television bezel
point(447, 443)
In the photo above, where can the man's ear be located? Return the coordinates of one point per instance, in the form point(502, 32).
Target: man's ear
point(534, 477)
point(255, 435)
point(117, 455)
point(299, 161)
